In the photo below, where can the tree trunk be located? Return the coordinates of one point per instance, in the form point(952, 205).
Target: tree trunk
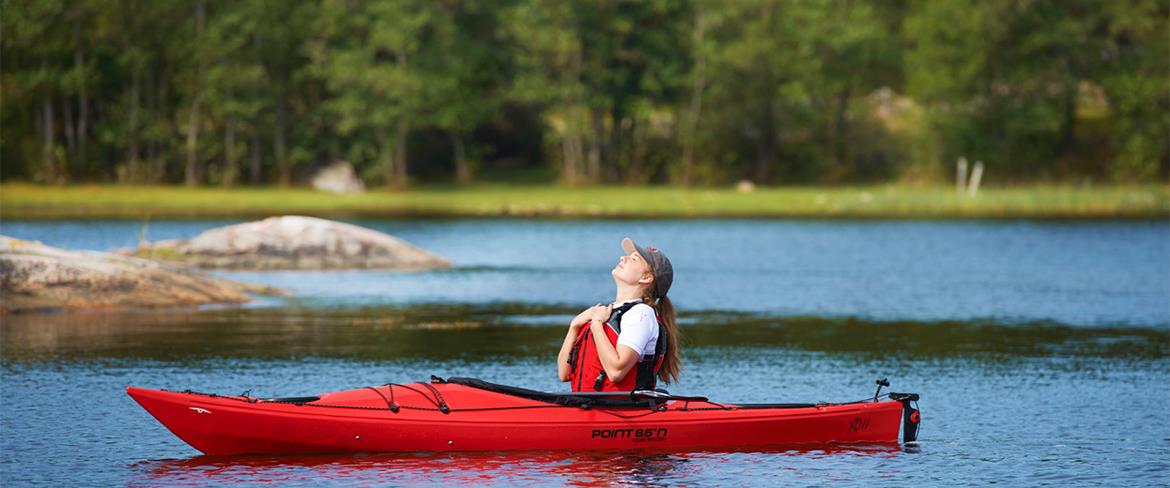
point(462, 167)
point(50, 142)
point(578, 151)
point(697, 85)
point(386, 156)
point(569, 160)
point(596, 147)
point(82, 96)
point(45, 128)
point(765, 145)
point(574, 153)
point(282, 168)
point(1067, 140)
point(150, 161)
point(613, 146)
point(400, 174)
point(254, 166)
point(194, 172)
point(841, 129)
point(39, 123)
point(229, 152)
point(133, 171)
point(158, 163)
point(48, 150)
point(634, 165)
point(68, 125)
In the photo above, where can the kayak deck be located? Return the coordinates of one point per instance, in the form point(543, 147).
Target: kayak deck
point(471, 415)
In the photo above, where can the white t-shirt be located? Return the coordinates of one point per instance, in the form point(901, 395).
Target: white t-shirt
point(639, 329)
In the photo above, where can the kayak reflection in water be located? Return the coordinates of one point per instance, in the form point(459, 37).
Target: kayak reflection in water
point(632, 342)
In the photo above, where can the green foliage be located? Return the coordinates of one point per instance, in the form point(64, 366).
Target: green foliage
point(1003, 80)
point(621, 91)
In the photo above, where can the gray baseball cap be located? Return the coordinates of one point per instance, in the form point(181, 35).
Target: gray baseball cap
point(659, 264)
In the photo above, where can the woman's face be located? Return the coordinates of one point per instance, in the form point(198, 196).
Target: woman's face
point(632, 269)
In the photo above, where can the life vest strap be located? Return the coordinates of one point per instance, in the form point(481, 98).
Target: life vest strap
point(645, 371)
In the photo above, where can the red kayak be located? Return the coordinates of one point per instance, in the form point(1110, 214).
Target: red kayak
point(464, 414)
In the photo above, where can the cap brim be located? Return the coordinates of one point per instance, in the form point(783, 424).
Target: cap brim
point(629, 246)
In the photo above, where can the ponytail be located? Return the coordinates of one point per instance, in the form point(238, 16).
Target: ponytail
point(671, 363)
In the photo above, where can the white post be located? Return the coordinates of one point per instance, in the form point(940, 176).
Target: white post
point(976, 176)
point(961, 173)
point(142, 231)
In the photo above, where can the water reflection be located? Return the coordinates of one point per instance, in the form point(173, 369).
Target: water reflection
point(475, 469)
point(479, 332)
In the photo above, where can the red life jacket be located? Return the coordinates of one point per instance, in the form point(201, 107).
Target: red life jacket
point(586, 372)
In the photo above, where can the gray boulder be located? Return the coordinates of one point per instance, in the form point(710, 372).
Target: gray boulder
point(338, 177)
point(294, 242)
point(34, 276)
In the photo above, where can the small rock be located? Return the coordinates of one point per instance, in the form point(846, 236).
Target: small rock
point(338, 177)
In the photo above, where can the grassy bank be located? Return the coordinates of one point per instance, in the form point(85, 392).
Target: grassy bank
point(881, 202)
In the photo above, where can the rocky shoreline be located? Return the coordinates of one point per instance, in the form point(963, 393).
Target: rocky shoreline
point(36, 277)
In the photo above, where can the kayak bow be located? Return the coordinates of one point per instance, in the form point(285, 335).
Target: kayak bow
point(464, 414)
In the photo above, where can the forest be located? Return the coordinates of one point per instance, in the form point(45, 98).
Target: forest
point(583, 92)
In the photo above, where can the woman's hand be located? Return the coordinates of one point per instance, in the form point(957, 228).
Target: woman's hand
point(599, 314)
point(581, 318)
point(563, 370)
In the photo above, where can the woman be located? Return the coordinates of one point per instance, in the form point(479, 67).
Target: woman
point(625, 345)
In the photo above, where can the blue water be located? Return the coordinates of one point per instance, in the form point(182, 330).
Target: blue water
point(1092, 274)
point(1042, 351)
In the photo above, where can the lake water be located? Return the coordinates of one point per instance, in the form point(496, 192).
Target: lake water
point(1041, 350)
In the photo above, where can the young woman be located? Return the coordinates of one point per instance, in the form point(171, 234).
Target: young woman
point(631, 342)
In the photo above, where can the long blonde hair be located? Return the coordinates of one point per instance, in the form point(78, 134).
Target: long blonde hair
point(671, 363)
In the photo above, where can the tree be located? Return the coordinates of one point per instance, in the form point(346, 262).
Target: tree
point(757, 86)
point(547, 48)
point(633, 78)
point(464, 72)
point(232, 77)
point(1135, 71)
point(364, 52)
point(1000, 80)
point(194, 168)
point(281, 40)
point(35, 43)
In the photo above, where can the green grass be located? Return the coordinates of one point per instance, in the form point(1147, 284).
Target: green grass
point(881, 202)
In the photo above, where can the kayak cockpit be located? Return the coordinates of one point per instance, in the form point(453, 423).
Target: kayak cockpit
point(294, 400)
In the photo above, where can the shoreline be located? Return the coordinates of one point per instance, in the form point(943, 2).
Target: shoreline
point(877, 202)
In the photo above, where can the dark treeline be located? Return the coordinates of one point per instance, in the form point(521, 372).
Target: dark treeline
point(227, 92)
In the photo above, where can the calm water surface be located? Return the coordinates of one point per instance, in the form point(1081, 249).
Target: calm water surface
point(1042, 350)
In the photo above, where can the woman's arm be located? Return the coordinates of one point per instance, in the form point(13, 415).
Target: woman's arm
point(617, 361)
point(563, 356)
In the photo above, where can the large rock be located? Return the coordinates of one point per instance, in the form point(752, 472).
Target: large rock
point(34, 276)
point(338, 177)
point(294, 242)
